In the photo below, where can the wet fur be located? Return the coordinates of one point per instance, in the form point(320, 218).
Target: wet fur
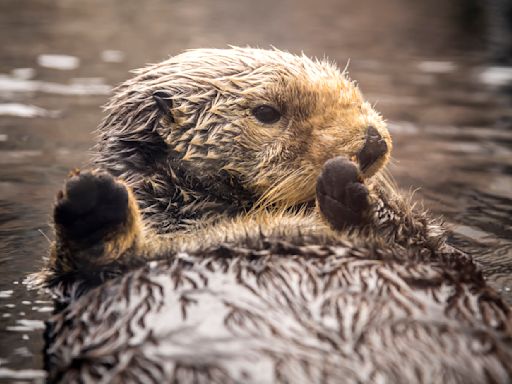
point(207, 156)
point(341, 280)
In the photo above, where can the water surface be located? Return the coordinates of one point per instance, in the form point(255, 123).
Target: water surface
point(448, 108)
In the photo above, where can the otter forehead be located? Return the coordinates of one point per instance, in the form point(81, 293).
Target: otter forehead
point(218, 63)
point(250, 76)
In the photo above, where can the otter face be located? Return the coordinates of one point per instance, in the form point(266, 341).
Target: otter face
point(265, 121)
point(298, 119)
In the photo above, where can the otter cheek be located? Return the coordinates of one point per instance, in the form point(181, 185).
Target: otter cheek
point(324, 147)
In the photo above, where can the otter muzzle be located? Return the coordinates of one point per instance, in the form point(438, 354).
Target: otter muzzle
point(374, 148)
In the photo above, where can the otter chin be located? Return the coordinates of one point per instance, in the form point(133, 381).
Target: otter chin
point(180, 257)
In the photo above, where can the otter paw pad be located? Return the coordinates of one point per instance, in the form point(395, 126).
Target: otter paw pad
point(342, 197)
point(90, 206)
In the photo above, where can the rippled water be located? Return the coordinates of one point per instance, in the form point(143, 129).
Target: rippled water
point(448, 107)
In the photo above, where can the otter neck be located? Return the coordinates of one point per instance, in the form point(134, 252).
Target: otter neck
point(178, 197)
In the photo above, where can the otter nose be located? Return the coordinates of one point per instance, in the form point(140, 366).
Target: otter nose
point(374, 147)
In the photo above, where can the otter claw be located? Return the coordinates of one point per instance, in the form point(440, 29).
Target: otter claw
point(342, 197)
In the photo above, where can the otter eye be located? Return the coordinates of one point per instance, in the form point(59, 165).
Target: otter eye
point(266, 114)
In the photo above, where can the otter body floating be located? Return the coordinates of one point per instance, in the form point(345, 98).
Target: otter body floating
point(239, 228)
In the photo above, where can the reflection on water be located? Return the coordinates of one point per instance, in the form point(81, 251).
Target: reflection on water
point(449, 111)
point(75, 87)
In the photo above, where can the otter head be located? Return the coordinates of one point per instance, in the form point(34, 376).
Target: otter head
point(241, 124)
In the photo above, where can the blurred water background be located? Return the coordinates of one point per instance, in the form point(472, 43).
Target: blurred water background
point(438, 70)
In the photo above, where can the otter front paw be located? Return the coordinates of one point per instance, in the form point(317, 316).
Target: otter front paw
point(342, 197)
point(91, 207)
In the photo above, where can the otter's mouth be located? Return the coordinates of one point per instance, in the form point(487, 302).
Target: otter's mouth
point(374, 149)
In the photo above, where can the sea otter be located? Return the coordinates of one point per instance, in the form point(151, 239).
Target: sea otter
point(238, 227)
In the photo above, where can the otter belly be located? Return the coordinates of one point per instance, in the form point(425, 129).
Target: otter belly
point(286, 313)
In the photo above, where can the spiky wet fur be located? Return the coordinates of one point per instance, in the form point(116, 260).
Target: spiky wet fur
point(387, 301)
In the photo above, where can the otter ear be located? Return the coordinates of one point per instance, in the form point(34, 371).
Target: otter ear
point(164, 104)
